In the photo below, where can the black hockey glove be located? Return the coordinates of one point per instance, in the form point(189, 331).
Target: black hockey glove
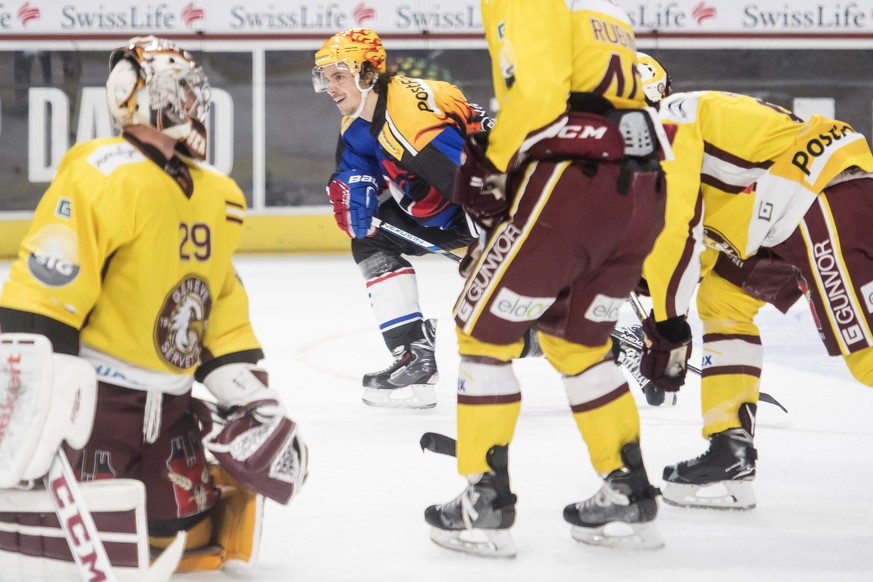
point(666, 352)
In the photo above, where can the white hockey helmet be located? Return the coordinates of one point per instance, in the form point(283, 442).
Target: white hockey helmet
point(153, 82)
point(655, 79)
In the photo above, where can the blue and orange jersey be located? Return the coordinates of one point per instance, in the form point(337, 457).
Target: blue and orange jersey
point(413, 145)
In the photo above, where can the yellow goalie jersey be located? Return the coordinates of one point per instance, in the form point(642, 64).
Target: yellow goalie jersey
point(745, 172)
point(118, 251)
point(542, 51)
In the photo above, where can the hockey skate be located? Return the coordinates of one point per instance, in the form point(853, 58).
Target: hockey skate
point(720, 478)
point(628, 353)
point(478, 520)
point(620, 515)
point(409, 382)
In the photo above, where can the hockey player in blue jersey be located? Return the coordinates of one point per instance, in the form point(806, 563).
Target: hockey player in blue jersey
point(399, 146)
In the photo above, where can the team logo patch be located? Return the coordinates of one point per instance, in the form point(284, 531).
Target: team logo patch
point(182, 322)
point(511, 306)
point(54, 255)
point(604, 308)
point(64, 209)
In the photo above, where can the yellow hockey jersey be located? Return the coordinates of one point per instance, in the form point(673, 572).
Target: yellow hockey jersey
point(744, 174)
point(542, 51)
point(118, 251)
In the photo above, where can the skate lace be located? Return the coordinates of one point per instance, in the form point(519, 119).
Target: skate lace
point(730, 435)
point(608, 496)
point(468, 507)
point(398, 354)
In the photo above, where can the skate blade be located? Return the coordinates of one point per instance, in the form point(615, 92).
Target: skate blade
point(488, 543)
point(621, 535)
point(413, 396)
point(737, 495)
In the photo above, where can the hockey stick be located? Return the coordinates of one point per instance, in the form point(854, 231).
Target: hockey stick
point(637, 304)
point(633, 298)
point(409, 237)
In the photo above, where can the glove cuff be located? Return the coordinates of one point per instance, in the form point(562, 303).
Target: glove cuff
point(238, 384)
point(675, 330)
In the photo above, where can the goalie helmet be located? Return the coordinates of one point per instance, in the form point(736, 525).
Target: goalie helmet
point(349, 49)
point(655, 79)
point(155, 83)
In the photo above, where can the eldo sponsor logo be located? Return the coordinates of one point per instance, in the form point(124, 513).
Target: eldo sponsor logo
point(511, 306)
point(604, 308)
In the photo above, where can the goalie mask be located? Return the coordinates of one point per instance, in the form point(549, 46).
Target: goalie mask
point(655, 79)
point(153, 82)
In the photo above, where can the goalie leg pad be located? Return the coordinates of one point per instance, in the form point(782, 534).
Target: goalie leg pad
point(32, 543)
point(47, 399)
point(236, 534)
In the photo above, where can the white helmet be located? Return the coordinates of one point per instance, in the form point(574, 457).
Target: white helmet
point(153, 82)
point(654, 77)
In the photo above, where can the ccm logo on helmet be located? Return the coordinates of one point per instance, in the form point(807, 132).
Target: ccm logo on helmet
point(582, 132)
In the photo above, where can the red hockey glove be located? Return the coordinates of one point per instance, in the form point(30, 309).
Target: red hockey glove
point(480, 188)
point(355, 198)
point(666, 352)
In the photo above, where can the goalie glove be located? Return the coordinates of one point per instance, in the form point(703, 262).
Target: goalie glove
point(249, 434)
point(480, 188)
point(355, 199)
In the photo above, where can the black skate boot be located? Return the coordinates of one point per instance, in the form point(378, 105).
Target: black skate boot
point(478, 520)
point(720, 478)
point(408, 382)
point(627, 347)
point(627, 499)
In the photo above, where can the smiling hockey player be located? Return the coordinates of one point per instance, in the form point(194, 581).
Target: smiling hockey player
point(399, 146)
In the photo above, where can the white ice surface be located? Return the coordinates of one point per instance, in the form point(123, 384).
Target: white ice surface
point(360, 516)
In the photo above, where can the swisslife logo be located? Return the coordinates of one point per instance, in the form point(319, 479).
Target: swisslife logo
point(26, 13)
point(703, 12)
point(192, 14)
point(671, 15)
point(362, 13)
